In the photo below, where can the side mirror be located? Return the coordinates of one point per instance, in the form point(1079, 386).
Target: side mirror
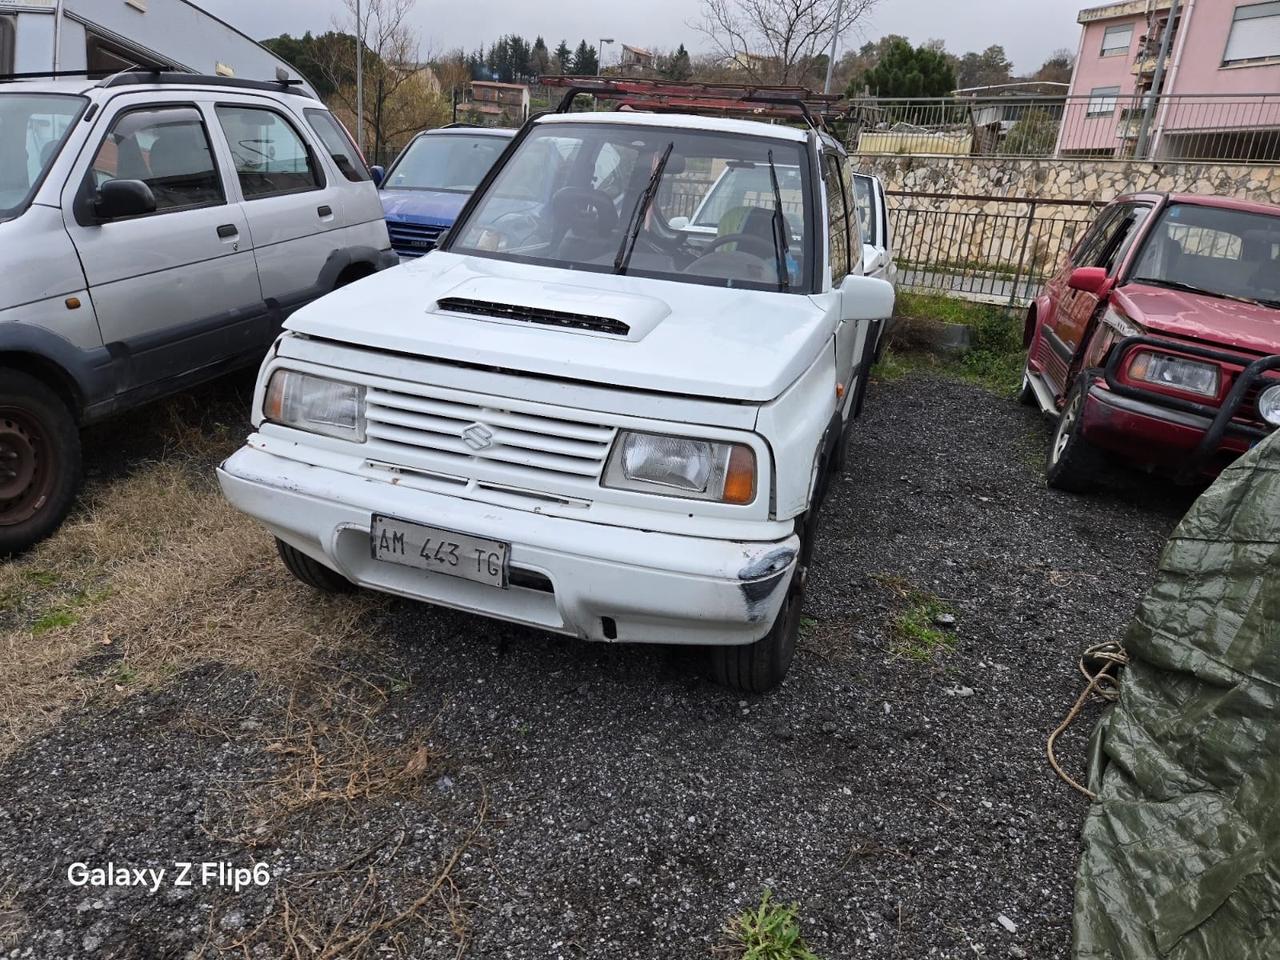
point(1092, 280)
point(866, 298)
point(118, 199)
point(678, 223)
point(379, 174)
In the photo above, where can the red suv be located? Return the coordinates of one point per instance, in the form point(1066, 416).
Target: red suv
point(1157, 339)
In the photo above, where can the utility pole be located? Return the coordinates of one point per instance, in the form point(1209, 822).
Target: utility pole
point(1157, 79)
point(57, 36)
point(360, 78)
point(831, 56)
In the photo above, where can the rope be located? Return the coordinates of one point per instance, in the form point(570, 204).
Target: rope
point(1100, 666)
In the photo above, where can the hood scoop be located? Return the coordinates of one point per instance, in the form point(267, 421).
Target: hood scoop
point(551, 318)
point(587, 310)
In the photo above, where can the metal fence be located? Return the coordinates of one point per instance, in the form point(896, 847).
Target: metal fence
point(1203, 128)
point(990, 249)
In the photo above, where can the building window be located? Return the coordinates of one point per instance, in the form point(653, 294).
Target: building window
point(1102, 101)
point(1255, 33)
point(1116, 40)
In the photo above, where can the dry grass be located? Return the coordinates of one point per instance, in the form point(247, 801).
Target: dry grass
point(13, 922)
point(155, 573)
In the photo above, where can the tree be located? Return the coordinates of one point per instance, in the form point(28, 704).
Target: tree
point(775, 41)
point(1034, 135)
point(539, 58)
point(563, 60)
point(676, 66)
point(310, 54)
point(401, 96)
point(986, 69)
point(1057, 69)
point(585, 61)
point(906, 71)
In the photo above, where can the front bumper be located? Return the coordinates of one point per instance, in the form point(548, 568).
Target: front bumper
point(1157, 428)
point(594, 581)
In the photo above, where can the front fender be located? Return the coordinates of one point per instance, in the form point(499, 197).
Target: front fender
point(89, 371)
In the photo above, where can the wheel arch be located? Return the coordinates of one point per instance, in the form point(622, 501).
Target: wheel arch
point(50, 373)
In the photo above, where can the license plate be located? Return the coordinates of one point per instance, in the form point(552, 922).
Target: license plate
point(440, 551)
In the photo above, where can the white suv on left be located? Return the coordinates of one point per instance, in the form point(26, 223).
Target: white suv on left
point(155, 231)
point(576, 415)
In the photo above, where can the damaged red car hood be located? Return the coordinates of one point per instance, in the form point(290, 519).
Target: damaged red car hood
point(1211, 320)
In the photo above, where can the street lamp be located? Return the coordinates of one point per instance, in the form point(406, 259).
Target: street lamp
point(600, 62)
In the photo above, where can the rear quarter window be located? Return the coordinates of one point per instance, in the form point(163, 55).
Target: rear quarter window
point(338, 144)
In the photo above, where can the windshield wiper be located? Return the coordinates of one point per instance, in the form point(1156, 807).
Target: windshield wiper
point(623, 258)
point(1192, 288)
point(780, 245)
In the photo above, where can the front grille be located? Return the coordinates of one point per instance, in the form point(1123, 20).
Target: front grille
point(458, 434)
point(551, 318)
point(413, 239)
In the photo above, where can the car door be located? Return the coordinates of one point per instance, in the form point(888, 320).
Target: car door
point(842, 235)
point(293, 208)
point(1103, 247)
point(174, 290)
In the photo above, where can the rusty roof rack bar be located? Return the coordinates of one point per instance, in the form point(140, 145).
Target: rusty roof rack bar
point(790, 103)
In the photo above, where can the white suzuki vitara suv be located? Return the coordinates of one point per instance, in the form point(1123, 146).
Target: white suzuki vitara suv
point(575, 416)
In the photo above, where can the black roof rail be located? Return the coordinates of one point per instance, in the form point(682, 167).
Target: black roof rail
point(59, 74)
point(176, 78)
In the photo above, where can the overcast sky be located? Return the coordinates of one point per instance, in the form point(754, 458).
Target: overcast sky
point(1029, 30)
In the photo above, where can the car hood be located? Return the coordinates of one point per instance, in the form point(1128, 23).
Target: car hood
point(684, 338)
point(1228, 323)
point(430, 207)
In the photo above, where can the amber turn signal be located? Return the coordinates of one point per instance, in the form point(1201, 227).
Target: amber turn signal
point(740, 476)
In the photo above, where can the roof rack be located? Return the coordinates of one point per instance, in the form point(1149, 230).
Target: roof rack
point(162, 75)
point(166, 77)
point(724, 99)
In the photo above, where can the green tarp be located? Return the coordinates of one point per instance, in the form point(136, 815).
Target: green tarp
point(1182, 850)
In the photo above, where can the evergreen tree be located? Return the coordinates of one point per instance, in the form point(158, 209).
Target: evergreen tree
point(585, 61)
point(904, 71)
point(676, 66)
point(563, 59)
point(540, 59)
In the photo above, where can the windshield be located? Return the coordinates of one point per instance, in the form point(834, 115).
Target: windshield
point(865, 209)
point(32, 128)
point(597, 196)
point(451, 162)
point(1213, 250)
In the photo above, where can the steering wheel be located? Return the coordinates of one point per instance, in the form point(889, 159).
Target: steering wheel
point(586, 210)
point(747, 243)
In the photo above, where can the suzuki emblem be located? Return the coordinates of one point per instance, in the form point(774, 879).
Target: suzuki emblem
point(478, 437)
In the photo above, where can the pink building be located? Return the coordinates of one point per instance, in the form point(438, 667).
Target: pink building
point(1223, 56)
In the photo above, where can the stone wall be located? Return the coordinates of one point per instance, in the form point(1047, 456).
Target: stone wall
point(1048, 179)
point(996, 248)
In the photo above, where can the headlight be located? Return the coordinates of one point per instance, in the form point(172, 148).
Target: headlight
point(316, 405)
point(1177, 372)
point(682, 467)
point(1269, 405)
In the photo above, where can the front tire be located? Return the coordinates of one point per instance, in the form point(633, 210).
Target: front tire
point(1074, 464)
point(313, 574)
point(39, 461)
point(759, 667)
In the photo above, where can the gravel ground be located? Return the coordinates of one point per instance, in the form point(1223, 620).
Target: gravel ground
point(590, 801)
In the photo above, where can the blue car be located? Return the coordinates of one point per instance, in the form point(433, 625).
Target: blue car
point(425, 188)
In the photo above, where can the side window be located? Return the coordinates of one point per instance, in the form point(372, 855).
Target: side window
point(1130, 227)
point(339, 145)
point(613, 169)
point(837, 219)
point(167, 148)
point(1094, 238)
point(856, 232)
point(270, 155)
